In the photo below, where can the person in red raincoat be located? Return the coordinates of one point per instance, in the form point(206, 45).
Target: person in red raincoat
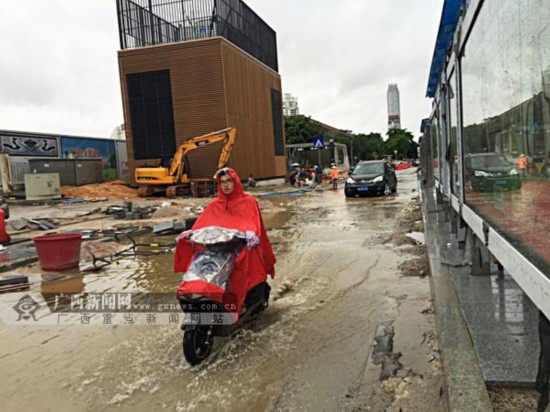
point(232, 209)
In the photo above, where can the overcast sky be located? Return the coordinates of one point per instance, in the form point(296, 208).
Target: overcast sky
point(59, 71)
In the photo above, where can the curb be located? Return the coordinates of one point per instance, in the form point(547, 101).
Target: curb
point(465, 384)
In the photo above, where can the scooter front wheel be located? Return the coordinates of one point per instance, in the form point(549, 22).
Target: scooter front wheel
point(197, 344)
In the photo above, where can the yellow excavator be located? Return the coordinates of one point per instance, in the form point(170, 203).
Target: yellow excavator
point(193, 165)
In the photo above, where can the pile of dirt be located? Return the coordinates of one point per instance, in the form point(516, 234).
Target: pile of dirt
point(411, 217)
point(513, 399)
point(419, 267)
point(167, 211)
point(115, 189)
point(173, 212)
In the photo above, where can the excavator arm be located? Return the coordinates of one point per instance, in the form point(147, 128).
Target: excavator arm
point(154, 179)
point(227, 135)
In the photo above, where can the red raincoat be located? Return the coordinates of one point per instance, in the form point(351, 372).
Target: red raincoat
point(237, 211)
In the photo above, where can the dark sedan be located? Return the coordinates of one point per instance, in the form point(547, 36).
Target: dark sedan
point(370, 178)
point(487, 171)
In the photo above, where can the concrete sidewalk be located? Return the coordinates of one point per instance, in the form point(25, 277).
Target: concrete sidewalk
point(466, 387)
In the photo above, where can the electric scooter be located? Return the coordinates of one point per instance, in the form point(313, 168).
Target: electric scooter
point(205, 296)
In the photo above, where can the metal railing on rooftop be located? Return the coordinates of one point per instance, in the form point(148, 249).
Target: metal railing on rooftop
point(149, 22)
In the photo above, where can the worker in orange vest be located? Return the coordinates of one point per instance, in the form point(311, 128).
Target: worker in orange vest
point(334, 175)
point(522, 164)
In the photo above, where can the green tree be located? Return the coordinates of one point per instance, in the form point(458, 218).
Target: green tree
point(300, 129)
point(402, 141)
point(368, 146)
point(365, 146)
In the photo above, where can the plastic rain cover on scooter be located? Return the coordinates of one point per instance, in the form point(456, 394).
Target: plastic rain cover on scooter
point(215, 263)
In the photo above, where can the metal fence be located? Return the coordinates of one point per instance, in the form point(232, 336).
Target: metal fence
point(149, 22)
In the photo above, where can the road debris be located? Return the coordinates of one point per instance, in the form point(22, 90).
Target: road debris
point(168, 228)
point(11, 283)
point(382, 352)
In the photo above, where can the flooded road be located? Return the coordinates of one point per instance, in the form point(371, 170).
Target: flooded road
point(338, 282)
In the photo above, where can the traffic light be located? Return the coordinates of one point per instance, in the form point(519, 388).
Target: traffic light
point(331, 151)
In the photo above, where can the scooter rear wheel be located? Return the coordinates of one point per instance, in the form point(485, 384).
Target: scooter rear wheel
point(197, 345)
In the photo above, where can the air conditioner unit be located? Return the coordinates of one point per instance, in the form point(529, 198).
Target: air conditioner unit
point(42, 186)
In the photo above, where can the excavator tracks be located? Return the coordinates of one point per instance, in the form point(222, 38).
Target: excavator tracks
point(146, 191)
point(196, 188)
point(171, 191)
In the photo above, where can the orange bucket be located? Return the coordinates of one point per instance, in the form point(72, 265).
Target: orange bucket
point(58, 252)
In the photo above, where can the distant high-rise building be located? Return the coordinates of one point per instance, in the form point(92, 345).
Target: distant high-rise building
point(290, 105)
point(394, 113)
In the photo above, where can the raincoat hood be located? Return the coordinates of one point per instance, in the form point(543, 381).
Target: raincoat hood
point(238, 191)
point(237, 210)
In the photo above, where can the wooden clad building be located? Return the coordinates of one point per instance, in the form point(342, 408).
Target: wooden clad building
point(176, 91)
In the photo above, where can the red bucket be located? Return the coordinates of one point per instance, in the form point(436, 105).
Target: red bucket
point(58, 252)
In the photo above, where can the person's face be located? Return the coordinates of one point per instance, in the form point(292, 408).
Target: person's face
point(227, 184)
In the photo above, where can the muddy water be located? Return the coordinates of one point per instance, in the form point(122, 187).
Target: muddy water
point(335, 283)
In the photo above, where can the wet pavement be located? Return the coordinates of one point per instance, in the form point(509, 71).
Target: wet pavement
point(338, 281)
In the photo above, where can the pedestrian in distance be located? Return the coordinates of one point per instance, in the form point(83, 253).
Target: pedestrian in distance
point(301, 177)
point(319, 173)
point(334, 175)
point(312, 179)
point(522, 164)
point(251, 181)
point(293, 177)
